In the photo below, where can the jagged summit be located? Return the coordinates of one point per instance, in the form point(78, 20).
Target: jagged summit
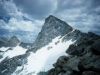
point(52, 18)
point(14, 38)
point(55, 23)
point(52, 28)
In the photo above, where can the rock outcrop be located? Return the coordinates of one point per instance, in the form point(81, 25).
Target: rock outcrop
point(83, 59)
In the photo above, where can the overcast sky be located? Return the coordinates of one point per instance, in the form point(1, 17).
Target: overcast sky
point(29, 15)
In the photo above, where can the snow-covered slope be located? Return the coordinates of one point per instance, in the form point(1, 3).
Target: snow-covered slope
point(44, 58)
point(8, 52)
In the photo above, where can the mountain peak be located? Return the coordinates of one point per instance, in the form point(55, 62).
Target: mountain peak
point(52, 28)
point(14, 37)
point(54, 21)
point(51, 18)
point(13, 41)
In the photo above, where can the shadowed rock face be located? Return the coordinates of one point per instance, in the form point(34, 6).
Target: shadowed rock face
point(84, 58)
point(84, 53)
point(13, 41)
point(96, 47)
point(3, 41)
point(52, 28)
point(8, 66)
point(90, 73)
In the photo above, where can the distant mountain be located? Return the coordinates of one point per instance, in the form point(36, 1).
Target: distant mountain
point(3, 41)
point(13, 41)
point(25, 36)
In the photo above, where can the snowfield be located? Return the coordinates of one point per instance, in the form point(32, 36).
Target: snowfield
point(45, 57)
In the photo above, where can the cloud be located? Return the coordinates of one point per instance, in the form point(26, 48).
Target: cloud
point(15, 24)
point(19, 24)
point(80, 14)
point(3, 11)
point(28, 15)
point(38, 9)
point(17, 20)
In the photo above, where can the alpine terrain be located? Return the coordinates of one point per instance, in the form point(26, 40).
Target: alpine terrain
point(58, 49)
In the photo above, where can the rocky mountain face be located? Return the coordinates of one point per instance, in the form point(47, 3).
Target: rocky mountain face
point(9, 65)
point(52, 28)
point(13, 41)
point(3, 42)
point(82, 57)
point(12, 54)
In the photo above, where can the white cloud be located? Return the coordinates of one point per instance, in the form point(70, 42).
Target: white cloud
point(72, 12)
point(15, 24)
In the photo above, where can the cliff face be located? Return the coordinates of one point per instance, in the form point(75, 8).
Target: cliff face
point(84, 58)
point(52, 28)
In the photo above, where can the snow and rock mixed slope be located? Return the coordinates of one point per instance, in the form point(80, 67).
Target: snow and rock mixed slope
point(43, 58)
point(49, 45)
point(52, 42)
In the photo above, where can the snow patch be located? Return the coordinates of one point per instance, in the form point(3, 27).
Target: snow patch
point(4, 49)
point(10, 53)
point(43, 59)
point(15, 52)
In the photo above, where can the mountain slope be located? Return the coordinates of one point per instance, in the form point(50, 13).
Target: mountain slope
point(55, 38)
point(52, 28)
point(84, 59)
point(49, 41)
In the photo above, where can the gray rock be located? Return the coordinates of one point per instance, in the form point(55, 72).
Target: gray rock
point(96, 47)
point(52, 28)
point(8, 66)
point(13, 41)
point(90, 73)
point(90, 61)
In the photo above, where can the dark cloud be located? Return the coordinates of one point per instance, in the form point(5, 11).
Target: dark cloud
point(81, 14)
point(3, 12)
point(36, 8)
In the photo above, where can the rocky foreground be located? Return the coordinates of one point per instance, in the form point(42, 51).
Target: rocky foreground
point(83, 59)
